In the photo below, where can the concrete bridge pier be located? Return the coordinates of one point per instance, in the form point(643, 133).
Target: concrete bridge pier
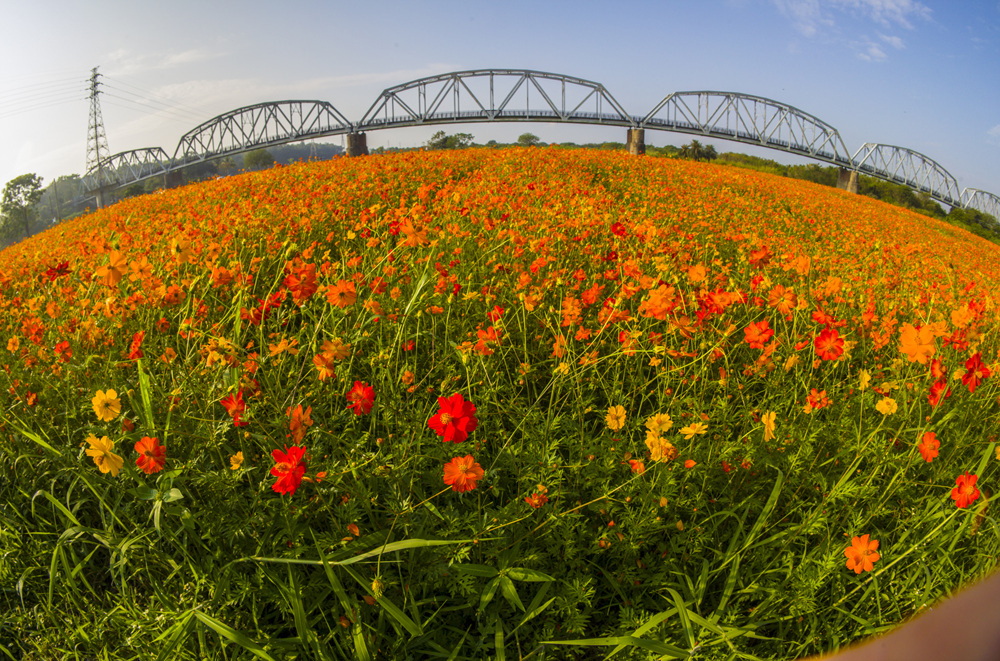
point(847, 180)
point(637, 142)
point(357, 144)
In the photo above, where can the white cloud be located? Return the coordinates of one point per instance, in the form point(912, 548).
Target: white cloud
point(893, 41)
point(871, 52)
point(994, 134)
point(122, 62)
point(811, 16)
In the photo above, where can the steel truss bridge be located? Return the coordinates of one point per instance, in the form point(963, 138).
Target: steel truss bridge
point(518, 95)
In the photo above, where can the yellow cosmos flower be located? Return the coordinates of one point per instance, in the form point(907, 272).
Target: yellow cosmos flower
point(864, 378)
point(107, 406)
point(236, 461)
point(615, 418)
point(106, 460)
point(768, 420)
point(659, 422)
point(690, 431)
point(886, 406)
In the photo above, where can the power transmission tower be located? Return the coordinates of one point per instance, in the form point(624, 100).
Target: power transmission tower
point(97, 141)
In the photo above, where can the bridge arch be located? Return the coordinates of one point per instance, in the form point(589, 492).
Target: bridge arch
point(260, 125)
point(127, 167)
point(910, 168)
point(980, 200)
point(495, 95)
point(753, 120)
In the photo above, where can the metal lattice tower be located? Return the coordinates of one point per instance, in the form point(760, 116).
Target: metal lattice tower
point(97, 140)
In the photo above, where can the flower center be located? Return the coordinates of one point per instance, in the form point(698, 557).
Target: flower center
point(446, 418)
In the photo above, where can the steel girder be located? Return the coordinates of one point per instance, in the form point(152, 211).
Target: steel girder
point(980, 200)
point(750, 119)
point(910, 168)
point(495, 95)
point(260, 125)
point(128, 167)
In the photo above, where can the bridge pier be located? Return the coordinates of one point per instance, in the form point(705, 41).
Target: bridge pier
point(357, 144)
point(847, 180)
point(637, 142)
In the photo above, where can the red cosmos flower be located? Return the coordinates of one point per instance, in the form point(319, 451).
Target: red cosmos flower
point(758, 334)
point(976, 372)
point(495, 314)
point(63, 351)
point(829, 344)
point(536, 499)
point(152, 455)
point(966, 491)
point(235, 406)
point(361, 398)
point(929, 447)
point(135, 352)
point(939, 391)
point(57, 271)
point(455, 420)
point(289, 468)
point(462, 473)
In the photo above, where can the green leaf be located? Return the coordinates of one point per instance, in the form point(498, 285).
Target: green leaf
point(172, 495)
point(528, 575)
point(147, 399)
point(651, 645)
point(510, 592)
point(233, 635)
point(476, 570)
point(487, 596)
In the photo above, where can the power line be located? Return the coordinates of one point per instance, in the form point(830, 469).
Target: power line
point(143, 106)
point(158, 98)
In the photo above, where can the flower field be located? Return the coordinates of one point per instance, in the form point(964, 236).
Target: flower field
point(492, 404)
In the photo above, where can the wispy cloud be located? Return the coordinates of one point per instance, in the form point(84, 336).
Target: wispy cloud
point(811, 16)
point(870, 51)
point(895, 42)
point(994, 133)
point(123, 62)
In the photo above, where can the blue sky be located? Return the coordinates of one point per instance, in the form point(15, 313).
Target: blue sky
point(922, 75)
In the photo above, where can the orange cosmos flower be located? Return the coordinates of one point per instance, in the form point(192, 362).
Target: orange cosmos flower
point(113, 271)
point(965, 492)
point(324, 363)
point(107, 406)
point(152, 455)
point(236, 461)
point(929, 446)
point(462, 473)
point(829, 344)
point(918, 345)
point(343, 294)
point(768, 420)
point(299, 421)
point(862, 554)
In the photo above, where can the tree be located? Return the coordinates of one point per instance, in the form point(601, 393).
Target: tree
point(457, 141)
point(529, 140)
point(226, 166)
point(19, 198)
point(258, 159)
point(698, 152)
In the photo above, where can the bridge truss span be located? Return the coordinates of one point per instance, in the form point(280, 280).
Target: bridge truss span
point(260, 125)
point(910, 168)
point(980, 200)
point(749, 119)
point(127, 167)
point(495, 95)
